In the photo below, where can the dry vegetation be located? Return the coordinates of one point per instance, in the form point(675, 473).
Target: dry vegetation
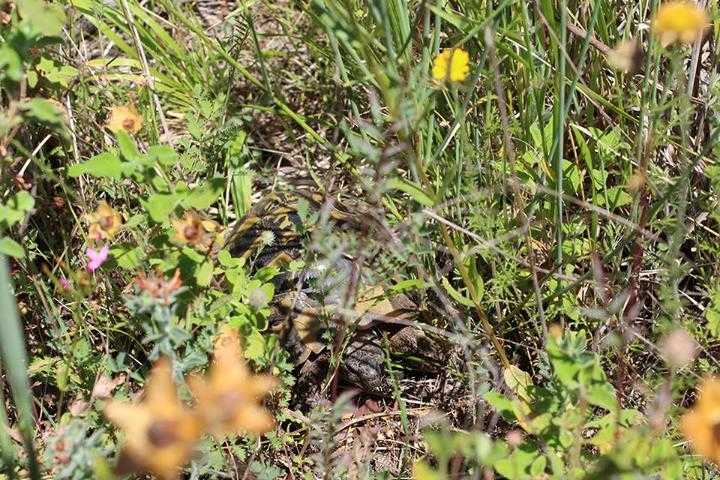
point(359, 239)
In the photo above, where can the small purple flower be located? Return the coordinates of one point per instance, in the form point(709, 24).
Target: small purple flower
point(96, 258)
point(65, 283)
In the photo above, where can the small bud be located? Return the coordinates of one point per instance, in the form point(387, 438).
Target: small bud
point(556, 331)
point(678, 348)
point(627, 56)
point(514, 438)
point(258, 298)
point(267, 237)
point(636, 181)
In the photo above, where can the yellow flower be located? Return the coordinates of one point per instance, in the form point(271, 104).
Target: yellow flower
point(160, 432)
point(702, 424)
point(451, 65)
point(124, 117)
point(679, 20)
point(104, 222)
point(197, 232)
point(230, 398)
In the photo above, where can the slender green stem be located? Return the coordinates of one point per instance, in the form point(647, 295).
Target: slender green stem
point(12, 352)
point(560, 134)
point(8, 455)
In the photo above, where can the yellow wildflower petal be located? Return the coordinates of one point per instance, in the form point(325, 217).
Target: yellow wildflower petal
point(451, 65)
point(189, 230)
point(160, 432)
point(701, 425)
point(440, 66)
point(253, 419)
point(197, 232)
point(679, 19)
point(104, 222)
point(230, 398)
point(124, 117)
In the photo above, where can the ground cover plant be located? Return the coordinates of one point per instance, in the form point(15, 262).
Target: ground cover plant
point(428, 239)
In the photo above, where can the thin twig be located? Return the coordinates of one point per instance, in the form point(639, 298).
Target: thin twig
point(578, 31)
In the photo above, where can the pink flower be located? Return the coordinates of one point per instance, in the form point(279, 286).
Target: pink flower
point(65, 283)
point(96, 258)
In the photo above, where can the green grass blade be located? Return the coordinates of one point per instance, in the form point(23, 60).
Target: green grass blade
point(12, 352)
point(8, 455)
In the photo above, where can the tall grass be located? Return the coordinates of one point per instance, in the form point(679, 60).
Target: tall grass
point(546, 193)
point(14, 361)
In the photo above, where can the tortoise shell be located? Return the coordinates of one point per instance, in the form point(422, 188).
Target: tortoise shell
point(273, 231)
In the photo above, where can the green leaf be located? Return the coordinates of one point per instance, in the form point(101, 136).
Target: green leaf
point(712, 313)
point(106, 164)
point(485, 450)
point(10, 63)
point(43, 110)
point(457, 296)
point(423, 471)
point(11, 248)
point(265, 472)
point(127, 256)
point(9, 216)
point(238, 279)
point(56, 73)
point(136, 220)
point(202, 197)
point(62, 376)
point(269, 290)
point(501, 404)
point(538, 467)
point(602, 395)
point(517, 466)
point(409, 285)
point(241, 190)
point(43, 18)
point(42, 365)
point(458, 21)
point(566, 370)
point(193, 255)
point(254, 346)
point(571, 176)
point(16, 208)
point(194, 128)
point(163, 154)
point(127, 146)
point(411, 189)
point(228, 261)
point(475, 276)
point(266, 274)
point(162, 185)
point(519, 382)
point(23, 201)
point(204, 273)
point(616, 197)
point(160, 205)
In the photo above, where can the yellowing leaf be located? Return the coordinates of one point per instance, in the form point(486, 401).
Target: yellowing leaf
point(423, 471)
point(519, 382)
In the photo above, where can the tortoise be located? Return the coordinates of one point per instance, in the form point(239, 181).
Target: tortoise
point(309, 303)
